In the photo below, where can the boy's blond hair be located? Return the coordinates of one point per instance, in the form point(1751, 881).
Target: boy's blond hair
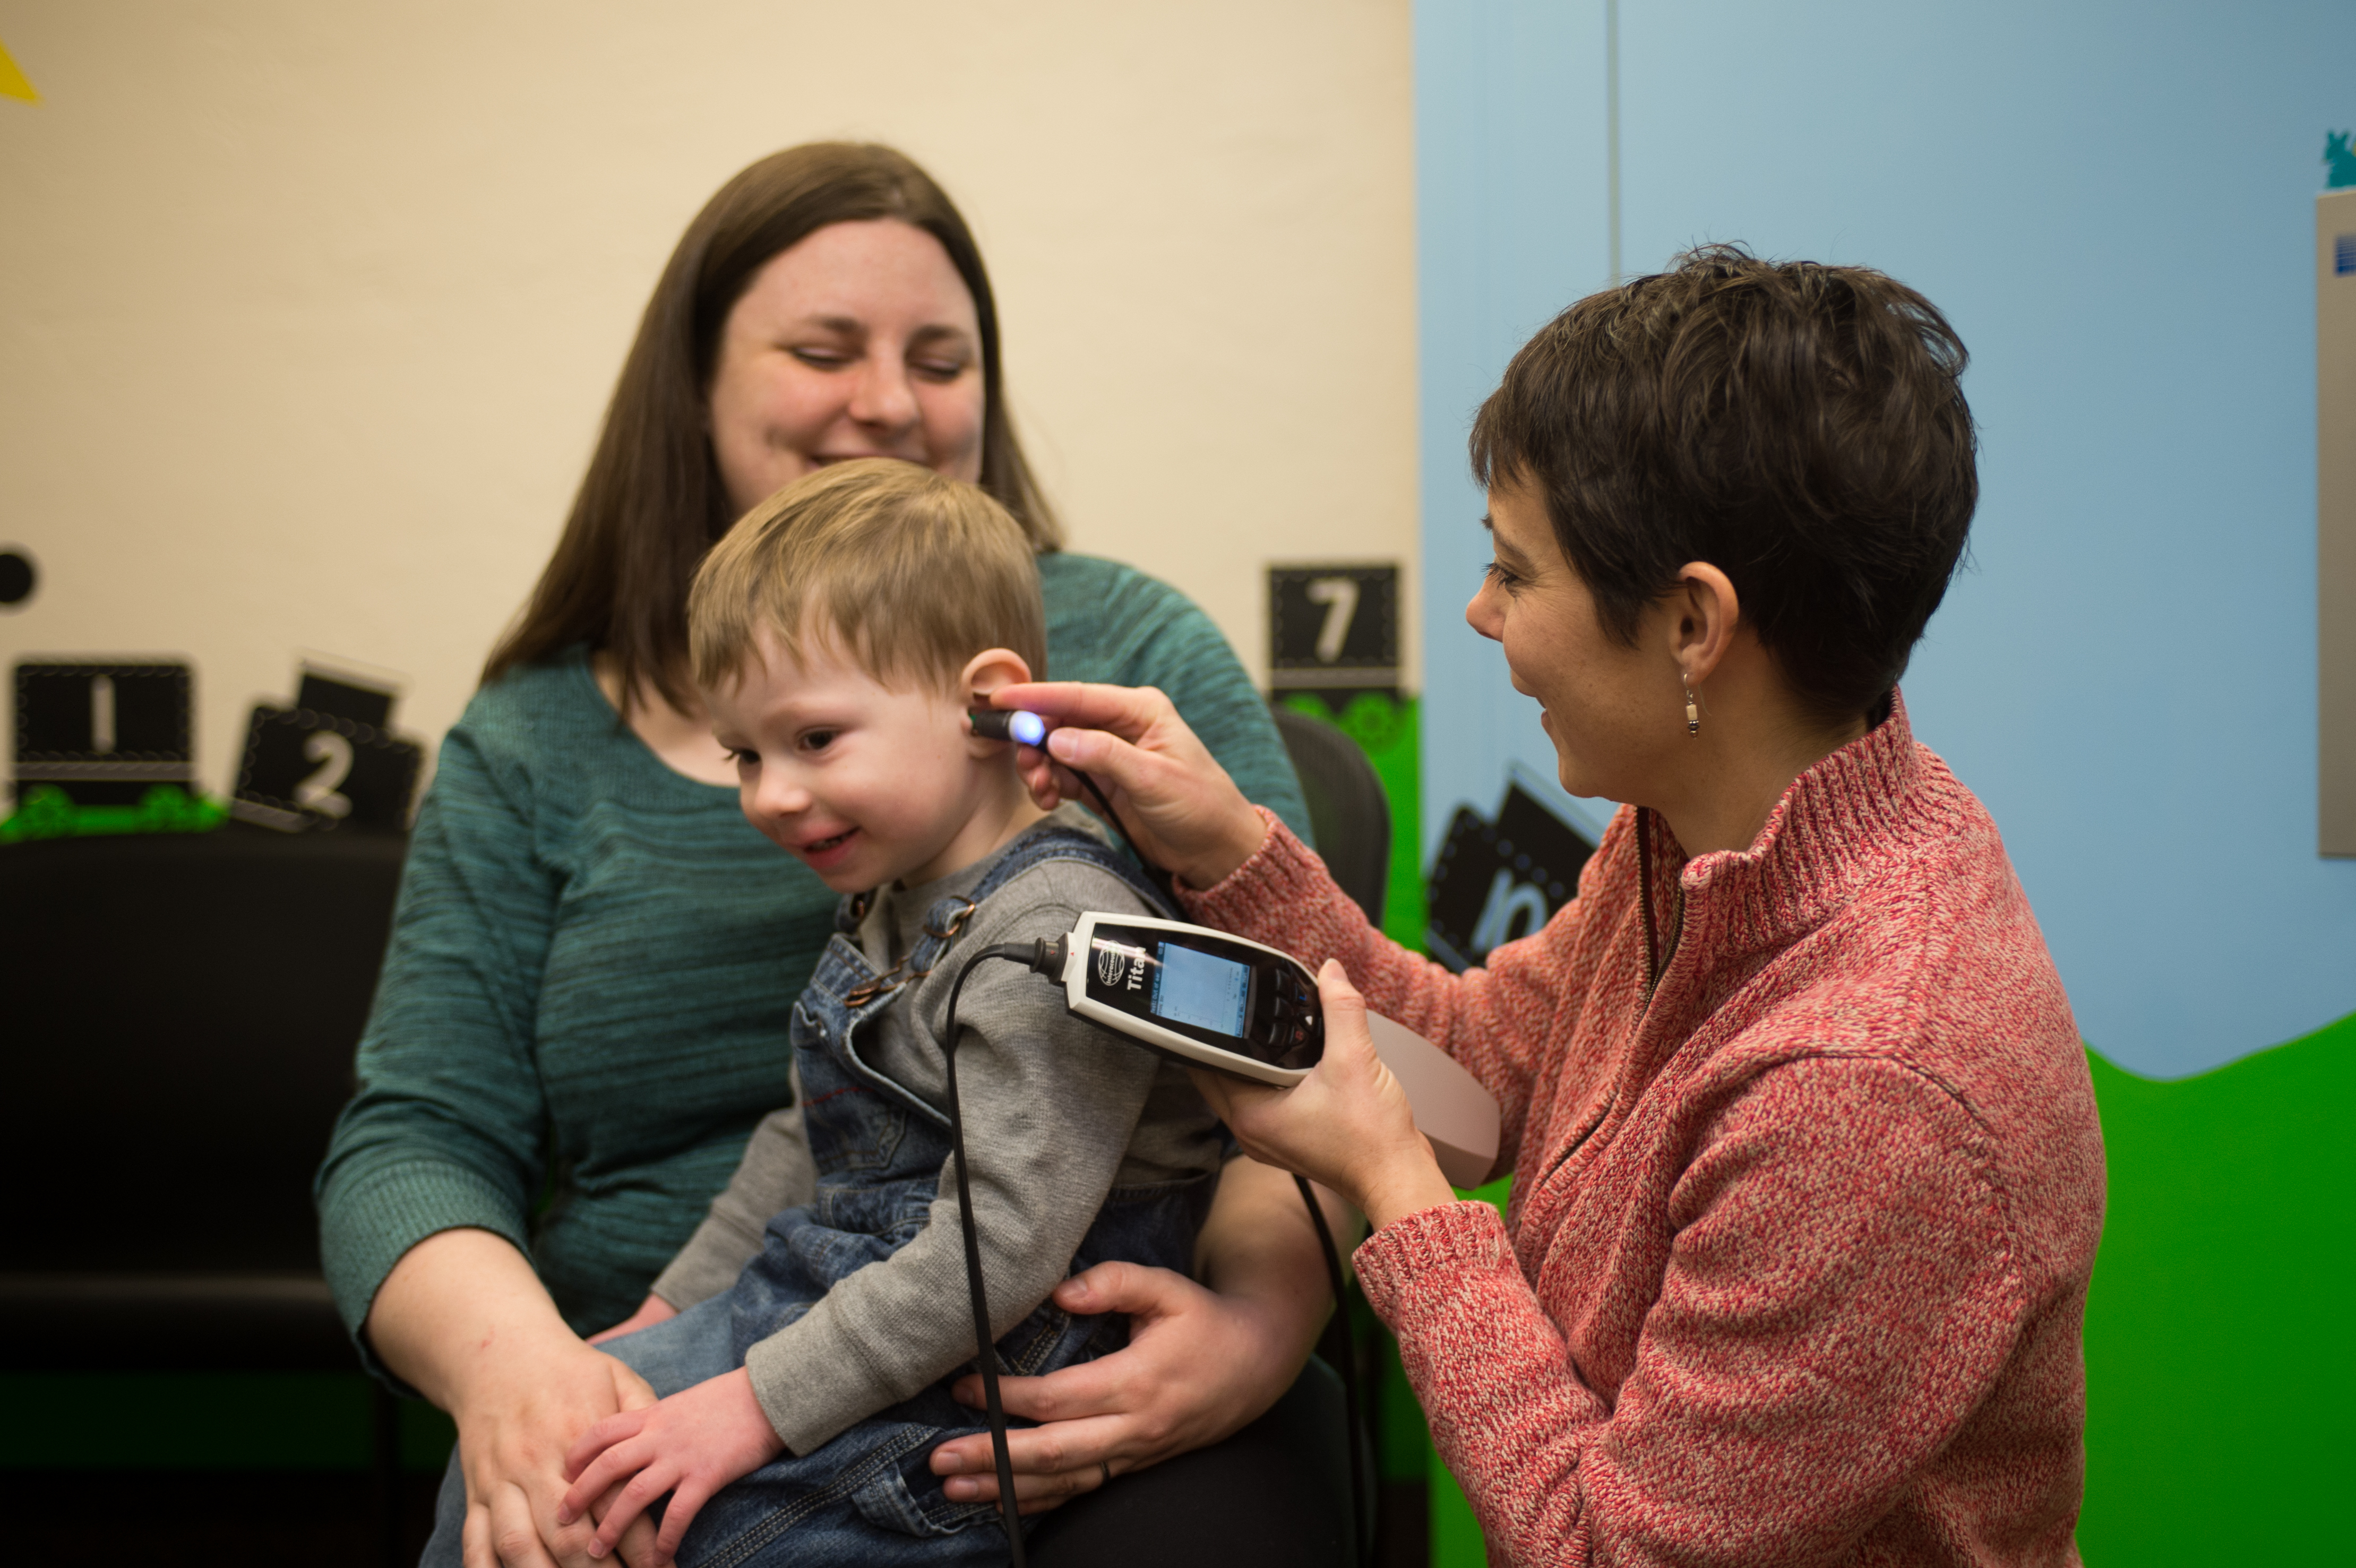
point(914, 573)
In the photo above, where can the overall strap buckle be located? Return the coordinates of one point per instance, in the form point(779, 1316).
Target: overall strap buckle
point(942, 931)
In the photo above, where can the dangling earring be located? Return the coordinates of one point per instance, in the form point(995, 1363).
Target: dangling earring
point(1693, 712)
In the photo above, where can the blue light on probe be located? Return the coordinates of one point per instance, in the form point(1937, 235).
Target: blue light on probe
point(1007, 724)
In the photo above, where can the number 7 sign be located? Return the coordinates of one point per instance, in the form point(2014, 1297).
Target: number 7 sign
point(1333, 629)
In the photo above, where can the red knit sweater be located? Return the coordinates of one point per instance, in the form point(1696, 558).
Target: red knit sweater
point(1797, 1255)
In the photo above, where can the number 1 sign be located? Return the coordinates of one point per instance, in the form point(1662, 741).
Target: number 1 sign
point(103, 731)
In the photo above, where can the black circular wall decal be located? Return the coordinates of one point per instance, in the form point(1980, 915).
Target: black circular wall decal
point(16, 577)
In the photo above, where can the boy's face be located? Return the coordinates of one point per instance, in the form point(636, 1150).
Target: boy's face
point(864, 784)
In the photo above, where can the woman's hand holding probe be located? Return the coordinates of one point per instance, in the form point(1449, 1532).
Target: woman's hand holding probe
point(1176, 803)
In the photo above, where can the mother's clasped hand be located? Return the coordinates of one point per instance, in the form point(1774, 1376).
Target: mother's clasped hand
point(1347, 1126)
point(522, 1389)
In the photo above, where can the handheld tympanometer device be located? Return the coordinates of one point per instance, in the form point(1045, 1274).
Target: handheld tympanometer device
point(1210, 1000)
point(1202, 996)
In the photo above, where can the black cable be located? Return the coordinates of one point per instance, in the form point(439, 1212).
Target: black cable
point(1033, 956)
point(1160, 878)
point(1048, 959)
point(1361, 1528)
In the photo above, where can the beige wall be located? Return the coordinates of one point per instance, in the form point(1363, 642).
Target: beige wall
point(307, 313)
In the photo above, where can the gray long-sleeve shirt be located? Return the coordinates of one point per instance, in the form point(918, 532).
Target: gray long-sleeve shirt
point(1057, 1112)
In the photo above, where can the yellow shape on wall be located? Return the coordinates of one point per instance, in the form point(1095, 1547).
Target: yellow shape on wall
point(12, 81)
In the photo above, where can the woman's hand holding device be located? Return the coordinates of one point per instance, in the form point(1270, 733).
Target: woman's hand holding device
point(1347, 1125)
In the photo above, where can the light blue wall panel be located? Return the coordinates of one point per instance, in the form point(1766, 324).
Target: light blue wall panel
point(2113, 203)
point(1510, 203)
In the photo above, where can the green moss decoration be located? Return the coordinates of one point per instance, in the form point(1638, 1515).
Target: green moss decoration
point(45, 811)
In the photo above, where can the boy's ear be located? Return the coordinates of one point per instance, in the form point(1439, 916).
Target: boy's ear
point(983, 674)
point(990, 669)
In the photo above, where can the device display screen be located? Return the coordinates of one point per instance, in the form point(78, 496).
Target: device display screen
point(1222, 993)
point(1202, 989)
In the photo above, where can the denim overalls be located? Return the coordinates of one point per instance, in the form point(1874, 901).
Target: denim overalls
point(867, 1496)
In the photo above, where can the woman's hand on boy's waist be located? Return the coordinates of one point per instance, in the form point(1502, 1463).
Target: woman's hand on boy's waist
point(1199, 1365)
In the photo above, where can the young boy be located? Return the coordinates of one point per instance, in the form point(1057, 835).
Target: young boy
point(840, 634)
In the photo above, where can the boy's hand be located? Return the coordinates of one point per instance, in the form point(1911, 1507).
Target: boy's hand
point(690, 1445)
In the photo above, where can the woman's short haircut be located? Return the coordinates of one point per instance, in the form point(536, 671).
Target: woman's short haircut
point(652, 501)
point(1800, 427)
point(910, 571)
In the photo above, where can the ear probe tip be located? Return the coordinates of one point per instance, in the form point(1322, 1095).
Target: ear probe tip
point(1009, 724)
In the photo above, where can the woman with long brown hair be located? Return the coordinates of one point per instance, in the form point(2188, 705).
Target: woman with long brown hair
point(582, 1015)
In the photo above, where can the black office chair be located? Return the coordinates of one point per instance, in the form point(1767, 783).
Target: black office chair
point(1347, 808)
point(180, 1013)
point(1350, 813)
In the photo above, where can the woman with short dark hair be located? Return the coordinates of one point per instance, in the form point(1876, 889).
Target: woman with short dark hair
point(1808, 1178)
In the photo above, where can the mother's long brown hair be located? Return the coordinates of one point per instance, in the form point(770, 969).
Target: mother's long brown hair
point(653, 502)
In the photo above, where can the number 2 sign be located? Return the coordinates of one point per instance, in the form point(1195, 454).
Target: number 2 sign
point(327, 762)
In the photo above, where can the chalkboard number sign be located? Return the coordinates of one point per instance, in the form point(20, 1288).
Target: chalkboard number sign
point(1496, 882)
point(305, 769)
point(1333, 628)
point(105, 732)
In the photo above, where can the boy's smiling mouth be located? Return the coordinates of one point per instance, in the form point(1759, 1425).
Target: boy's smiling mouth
point(830, 854)
point(818, 848)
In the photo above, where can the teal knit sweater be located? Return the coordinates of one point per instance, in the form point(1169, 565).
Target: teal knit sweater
point(583, 1011)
